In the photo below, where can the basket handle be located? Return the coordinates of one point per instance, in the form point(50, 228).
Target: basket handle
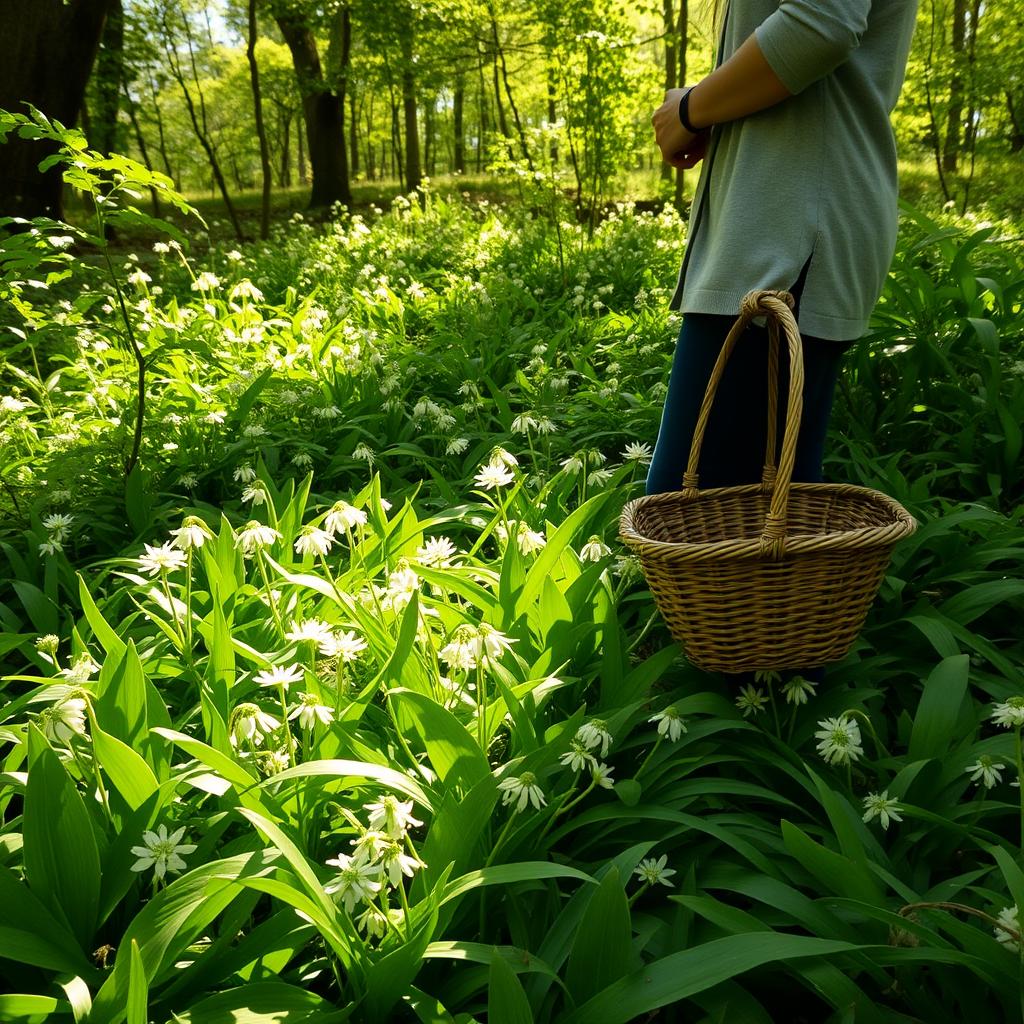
point(777, 307)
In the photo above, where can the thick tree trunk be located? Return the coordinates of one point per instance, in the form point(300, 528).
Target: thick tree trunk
point(1016, 124)
point(39, 37)
point(457, 128)
point(261, 131)
point(323, 113)
point(339, 59)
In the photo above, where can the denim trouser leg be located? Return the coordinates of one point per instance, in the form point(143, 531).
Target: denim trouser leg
point(734, 442)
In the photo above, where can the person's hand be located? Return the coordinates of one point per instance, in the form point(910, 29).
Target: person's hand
point(678, 146)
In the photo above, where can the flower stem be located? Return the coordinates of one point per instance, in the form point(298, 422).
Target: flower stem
point(650, 754)
point(267, 590)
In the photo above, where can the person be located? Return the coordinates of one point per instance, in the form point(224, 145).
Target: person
point(797, 192)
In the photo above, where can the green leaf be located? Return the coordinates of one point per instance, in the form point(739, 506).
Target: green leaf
point(29, 1009)
point(506, 1000)
point(30, 934)
point(109, 640)
point(837, 873)
point(602, 950)
point(130, 774)
point(939, 708)
point(62, 861)
point(264, 1002)
point(453, 753)
point(684, 974)
point(341, 769)
point(138, 989)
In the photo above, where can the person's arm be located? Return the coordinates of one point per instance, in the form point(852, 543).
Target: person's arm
point(794, 46)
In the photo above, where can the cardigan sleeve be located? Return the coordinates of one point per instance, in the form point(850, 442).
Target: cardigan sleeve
point(804, 41)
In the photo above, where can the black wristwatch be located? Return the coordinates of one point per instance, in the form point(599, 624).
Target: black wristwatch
point(684, 113)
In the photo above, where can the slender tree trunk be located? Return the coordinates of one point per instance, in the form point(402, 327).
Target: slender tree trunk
point(353, 132)
point(459, 162)
point(682, 32)
point(413, 168)
point(161, 137)
point(300, 156)
point(955, 114)
point(39, 37)
point(552, 112)
point(261, 131)
point(500, 51)
point(108, 75)
point(199, 128)
point(483, 117)
point(140, 141)
point(671, 74)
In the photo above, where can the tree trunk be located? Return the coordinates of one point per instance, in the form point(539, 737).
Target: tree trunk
point(339, 60)
point(552, 112)
point(671, 76)
point(261, 131)
point(40, 37)
point(353, 133)
point(457, 129)
point(413, 170)
point(682, 31)
point(140, 141)
point(955, 115)
point(109, 75)
point(322, 111)
point(499, 50)
point(1016, 124)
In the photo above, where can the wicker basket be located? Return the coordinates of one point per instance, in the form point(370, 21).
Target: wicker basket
point(768, 575)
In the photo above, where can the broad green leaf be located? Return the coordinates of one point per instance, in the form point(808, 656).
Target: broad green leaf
point(602, 950)
point(341, 769)
point(837, 873)
point(62, 861)
point(110, 641)
point(453, 753)
point(264, 1002)
point(506, 1000)
point(131, 775)
point(30, 934)
point(939, 708)
point(680, 975)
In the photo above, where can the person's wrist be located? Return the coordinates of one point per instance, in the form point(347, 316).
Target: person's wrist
point(684, 114)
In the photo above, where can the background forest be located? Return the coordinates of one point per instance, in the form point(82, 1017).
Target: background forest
point(333, 340)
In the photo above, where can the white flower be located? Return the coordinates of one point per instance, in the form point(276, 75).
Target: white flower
point(651, 870)
point(529, 540)
point(572, 465)
point(523, 424)
point(491, 643)
point(840, 741)
point(205, 282)
point(602, 775)
point(63, 720)
point(437, 551)
point(249, 722)
point(164, 558)
point(309, 629)
point(81, 671)
point(273, 762)
point(402, 584)
point(987, 770)
point(670, 723)
point(162, 852)
point(367, 847)
point(255, 492)
point(577, 757)
point(751, 700)
point(313, 541)
point(638, 451)
point(51, 546)
point(462, 649)
point(396, 863)
point(594, 550)
point(347, 646)
point(456, 446)
point(798, 690)
point(245, 289)
point(1009, 918)
point(523, 790)
point(491, 476)
point(244, 473)
point(279, 675)
point(355, 883)
point(1010, 713)
point(255, 535)
point(391, 815)
point(48, 644)
point(595, 734)
point(883, 807)
point(309, 711)
point(58, 524)
point(192, 533)
point(599, 477)
point(372, 921)
point(342, 517)
point(363, 451)
point(500, 457)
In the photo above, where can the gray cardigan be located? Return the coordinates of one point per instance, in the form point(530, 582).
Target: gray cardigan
point(811, 180)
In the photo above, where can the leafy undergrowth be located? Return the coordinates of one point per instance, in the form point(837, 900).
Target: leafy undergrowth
point(346, 702)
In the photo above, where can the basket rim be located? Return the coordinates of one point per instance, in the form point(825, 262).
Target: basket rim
point(795, 544)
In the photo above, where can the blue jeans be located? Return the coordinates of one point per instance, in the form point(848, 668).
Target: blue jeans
point(734, 442)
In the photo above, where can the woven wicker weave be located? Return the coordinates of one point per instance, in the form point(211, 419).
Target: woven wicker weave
point(768, 575)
